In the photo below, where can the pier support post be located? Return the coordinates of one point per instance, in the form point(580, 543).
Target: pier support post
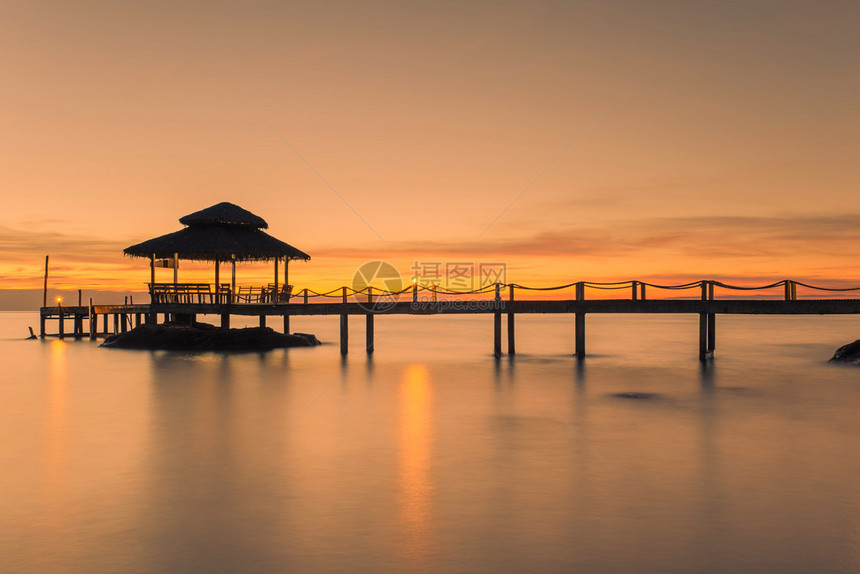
point(286, 324)
point(105, 323)
point(62, 327)
point(115, 323)
point(511, 331)
point(369, 333)
point(497, 324)
point(712, 322)
point(344, 334)
point(79, 324)
point(369, 327)
point(225, 320)
point(262, 320)
point(41, 325)
point(580, 323)
point(703, 326)
point(93, 319)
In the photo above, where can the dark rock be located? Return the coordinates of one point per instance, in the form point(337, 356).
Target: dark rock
point(204, 337)
point(849, 353)
point(635, 395)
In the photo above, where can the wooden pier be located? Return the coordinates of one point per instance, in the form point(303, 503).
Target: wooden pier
point(369, 303)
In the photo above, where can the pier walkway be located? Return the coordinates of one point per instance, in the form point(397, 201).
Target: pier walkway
point(420, 300)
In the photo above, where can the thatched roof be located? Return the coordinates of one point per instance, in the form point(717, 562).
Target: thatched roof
point(224, 213)
point(220, 232)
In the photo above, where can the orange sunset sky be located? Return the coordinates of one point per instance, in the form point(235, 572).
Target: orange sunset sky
point(570, 140)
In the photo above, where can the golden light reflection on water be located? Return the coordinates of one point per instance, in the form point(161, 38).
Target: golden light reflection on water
point(416, 488)
point(56, 447)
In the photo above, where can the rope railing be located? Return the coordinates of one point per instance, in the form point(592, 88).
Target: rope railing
point(638, 288)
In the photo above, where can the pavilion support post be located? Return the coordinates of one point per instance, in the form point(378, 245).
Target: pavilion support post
point(175, 272)
point(579, 323)
point(497, 324)
point(344, 334)
point(233, 278)
point(286, 270)
point(369, 329)
point(275, 293)
point(217, 281)
point(511, 332)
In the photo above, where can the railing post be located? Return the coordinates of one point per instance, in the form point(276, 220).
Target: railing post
point(306, 295)
point(343, 290)
point(511, 337)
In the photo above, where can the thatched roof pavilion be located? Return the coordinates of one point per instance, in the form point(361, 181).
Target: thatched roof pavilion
point(220, 233)
point(223, 232)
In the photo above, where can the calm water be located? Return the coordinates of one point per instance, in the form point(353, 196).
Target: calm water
point(435, 457)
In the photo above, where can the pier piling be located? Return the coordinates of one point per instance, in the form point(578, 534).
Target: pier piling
point(579, 335)
point(344, 334)
point(511, 328)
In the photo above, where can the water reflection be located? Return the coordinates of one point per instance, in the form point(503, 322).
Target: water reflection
point(416, 489)
point(56, 451)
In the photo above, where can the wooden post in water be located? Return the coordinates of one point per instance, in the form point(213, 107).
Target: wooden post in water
point(511, 336)
point(712, 322)
point(45, 289)
point(344, 334)
point(92, 317)
point(62, 327)
point(497, 323)
point(703, 326)
point(580, 323)
point(369, 327)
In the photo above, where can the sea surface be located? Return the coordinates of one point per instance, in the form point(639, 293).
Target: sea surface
point(435, 457)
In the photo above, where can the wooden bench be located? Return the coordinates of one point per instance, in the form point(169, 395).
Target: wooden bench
point(284, 292)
